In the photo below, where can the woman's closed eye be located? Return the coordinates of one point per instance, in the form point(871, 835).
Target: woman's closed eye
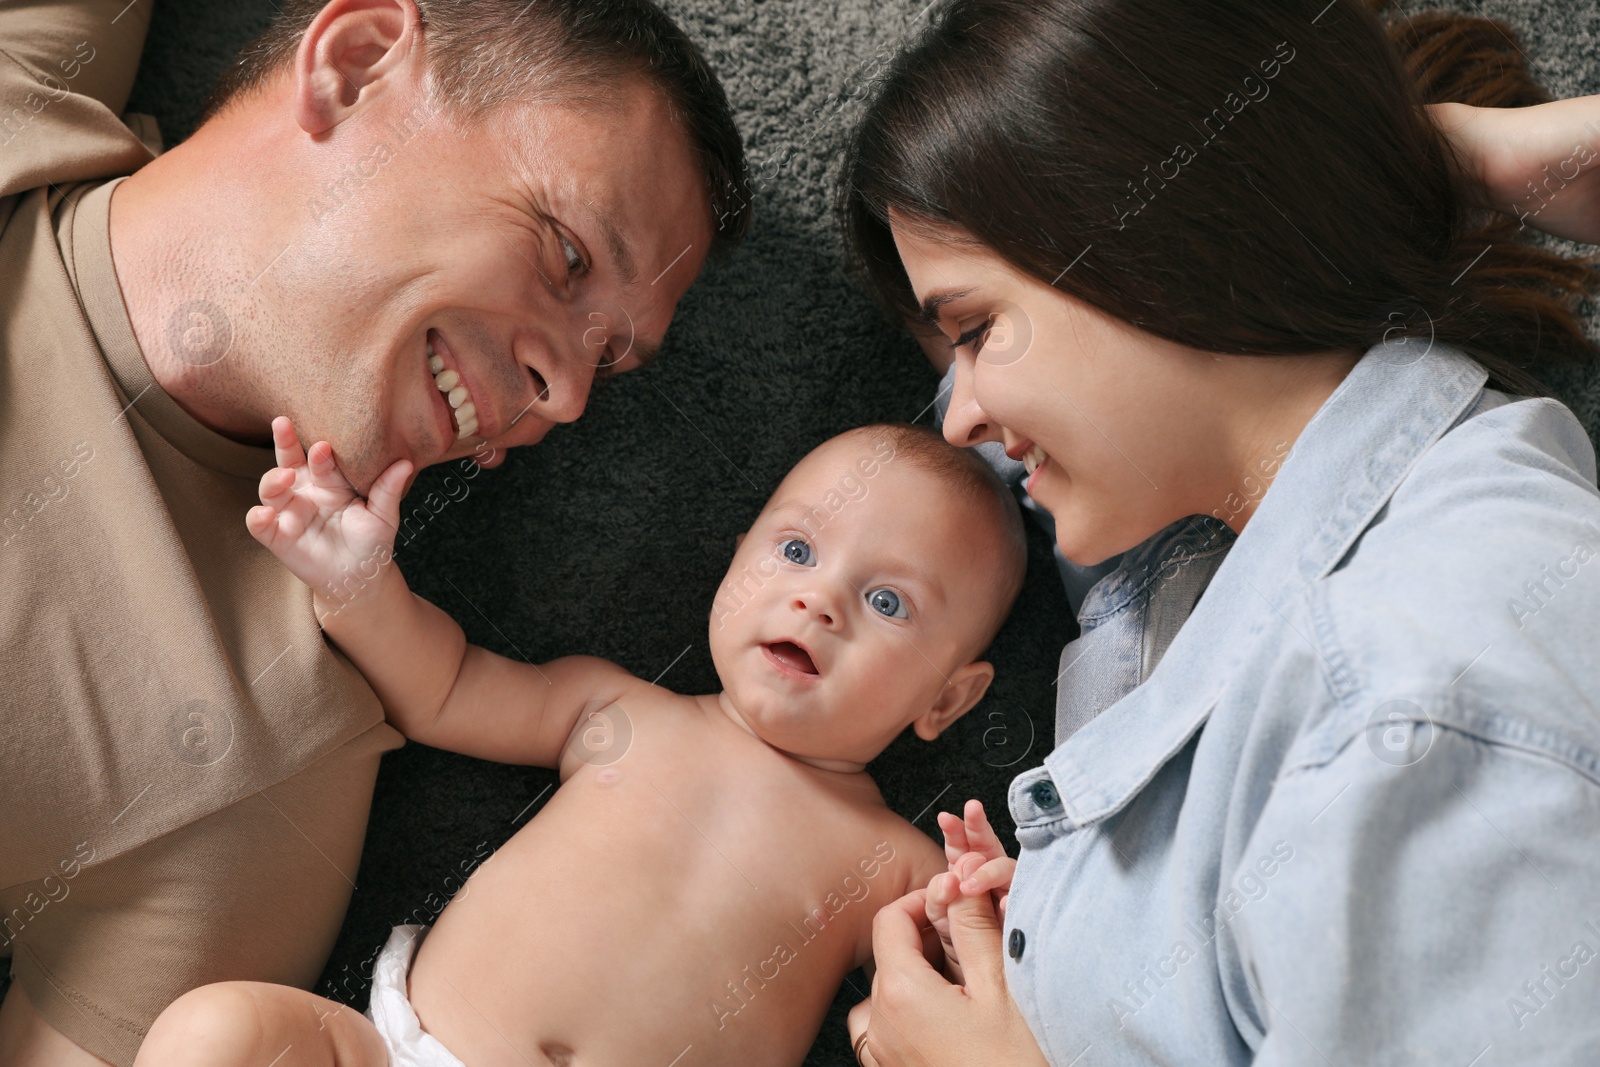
point(973, 335)
point(887, 602)
point(796, 551)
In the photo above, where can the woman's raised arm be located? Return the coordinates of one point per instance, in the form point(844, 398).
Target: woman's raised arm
point(1539, 164)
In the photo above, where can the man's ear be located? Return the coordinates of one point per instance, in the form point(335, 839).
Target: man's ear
point(349, 46)
point(966, 688)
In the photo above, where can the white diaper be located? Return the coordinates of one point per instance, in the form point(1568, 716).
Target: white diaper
point(390, 1009)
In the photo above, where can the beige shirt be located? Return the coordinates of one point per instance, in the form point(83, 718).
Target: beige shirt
point(156, 663)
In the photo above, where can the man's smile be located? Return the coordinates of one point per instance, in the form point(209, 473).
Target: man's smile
point(460, 410)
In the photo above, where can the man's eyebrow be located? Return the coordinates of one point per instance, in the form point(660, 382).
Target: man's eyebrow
point(620, 253)
point(936, 302)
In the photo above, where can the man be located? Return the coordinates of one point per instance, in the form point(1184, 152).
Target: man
point(420, 228)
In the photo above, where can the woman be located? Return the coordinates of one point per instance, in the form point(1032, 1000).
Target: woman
point(1253, 325)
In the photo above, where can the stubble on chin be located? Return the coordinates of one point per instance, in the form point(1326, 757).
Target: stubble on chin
point(358, 430)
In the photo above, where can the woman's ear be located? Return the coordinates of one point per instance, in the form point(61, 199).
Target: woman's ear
point(965, 688)
point(349, 47)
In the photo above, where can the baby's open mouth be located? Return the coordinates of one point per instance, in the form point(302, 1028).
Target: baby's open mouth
point(792, 656)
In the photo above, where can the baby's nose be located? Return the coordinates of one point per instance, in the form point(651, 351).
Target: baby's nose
point(817, 605)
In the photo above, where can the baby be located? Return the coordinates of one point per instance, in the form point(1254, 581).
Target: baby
point(708, 871)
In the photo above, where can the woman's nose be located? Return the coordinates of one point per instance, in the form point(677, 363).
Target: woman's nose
point(965, 423)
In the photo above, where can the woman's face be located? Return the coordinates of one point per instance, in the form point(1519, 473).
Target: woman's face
point(1106, 406)
point(1134, 431)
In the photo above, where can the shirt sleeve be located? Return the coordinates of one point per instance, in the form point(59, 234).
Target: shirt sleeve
point(1436, 899)
point(65, 73)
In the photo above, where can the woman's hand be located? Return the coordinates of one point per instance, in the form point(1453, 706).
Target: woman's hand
point(318, 525)
point(915, 1016)
point(1540, 164)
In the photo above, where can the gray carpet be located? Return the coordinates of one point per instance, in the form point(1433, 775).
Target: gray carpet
point(610, 538)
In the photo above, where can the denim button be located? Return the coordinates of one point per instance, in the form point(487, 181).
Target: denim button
point(1044, 794)
point(1017, 944)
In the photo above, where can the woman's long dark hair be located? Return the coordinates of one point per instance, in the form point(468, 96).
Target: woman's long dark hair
point(1248, 177)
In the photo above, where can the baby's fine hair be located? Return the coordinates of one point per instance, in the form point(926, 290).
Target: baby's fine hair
point(973, 481)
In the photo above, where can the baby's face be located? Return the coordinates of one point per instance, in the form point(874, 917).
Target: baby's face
point(850, 602)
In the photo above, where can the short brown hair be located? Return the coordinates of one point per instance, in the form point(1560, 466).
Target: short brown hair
point(484, 53)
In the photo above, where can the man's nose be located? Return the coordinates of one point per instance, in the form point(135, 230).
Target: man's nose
point(966, 423)
point(568, 377)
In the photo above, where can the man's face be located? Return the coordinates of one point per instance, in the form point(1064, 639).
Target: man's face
point(532, 251)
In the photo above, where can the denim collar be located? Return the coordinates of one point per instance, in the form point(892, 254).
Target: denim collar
point(1178, 545)
point(1350, 458)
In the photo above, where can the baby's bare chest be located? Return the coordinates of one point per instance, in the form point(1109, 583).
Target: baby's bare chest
point(723, 890)
point(762, 837)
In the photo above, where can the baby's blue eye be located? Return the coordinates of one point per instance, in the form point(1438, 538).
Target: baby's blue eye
point(796, 551)
point(887, 602)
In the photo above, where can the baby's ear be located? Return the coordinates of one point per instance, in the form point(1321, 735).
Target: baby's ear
point(966, 687)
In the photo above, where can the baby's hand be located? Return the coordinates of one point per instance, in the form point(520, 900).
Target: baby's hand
point(978, 864)
point(315, 522)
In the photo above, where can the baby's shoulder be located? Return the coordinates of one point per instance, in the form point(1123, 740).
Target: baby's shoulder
point(897, 845)
point(624, 715)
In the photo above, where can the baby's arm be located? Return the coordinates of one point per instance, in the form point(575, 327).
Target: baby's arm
point(435, 688)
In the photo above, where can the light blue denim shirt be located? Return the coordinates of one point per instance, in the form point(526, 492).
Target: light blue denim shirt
point(1348, 812)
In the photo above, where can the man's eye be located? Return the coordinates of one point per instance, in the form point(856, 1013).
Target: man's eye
point(887, 602)
point(575, 263)
point(796, 551)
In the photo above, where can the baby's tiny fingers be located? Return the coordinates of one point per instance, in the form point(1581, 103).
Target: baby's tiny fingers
point(383, 499)
point(261, 520)
point(285, 444)
point(980, 835)
point(955, 836)
point(325, 473)
point(992, 875)
point(275, 488)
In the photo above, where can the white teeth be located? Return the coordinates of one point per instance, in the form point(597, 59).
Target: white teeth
point(1034, 458)
point(448, 382)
